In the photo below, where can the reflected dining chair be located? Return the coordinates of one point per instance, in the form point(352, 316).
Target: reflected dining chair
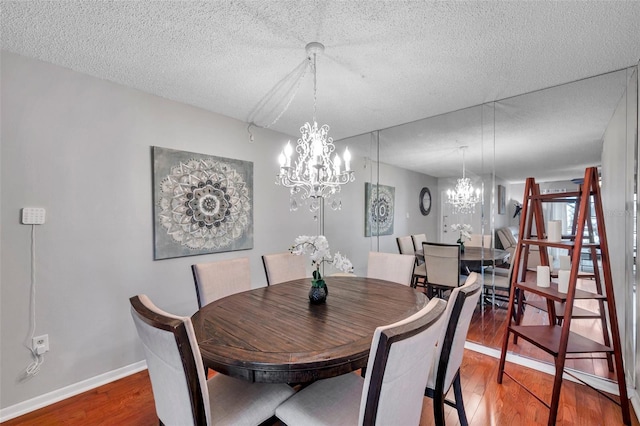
point(445, 370)
point(443, 267)
point(501, 282)
point(418, 239)
point(343, 274)
point(479, 240)
point(405, 246)
point(390, 393)
point(182, 393)
point(391, 267)
point(282, 267)
point(215, 280)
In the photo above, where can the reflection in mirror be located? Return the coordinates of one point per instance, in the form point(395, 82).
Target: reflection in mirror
point(551, 134)
point(344, 228)
point(432, 147)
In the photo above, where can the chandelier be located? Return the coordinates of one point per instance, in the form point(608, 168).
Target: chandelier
point(314, 175)
point(463, 198)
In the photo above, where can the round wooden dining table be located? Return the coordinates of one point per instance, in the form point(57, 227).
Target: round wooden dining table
point(274, 335)
point(474, 257)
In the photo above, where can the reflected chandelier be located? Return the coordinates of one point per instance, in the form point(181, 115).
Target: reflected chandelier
point(314, 176)
point(463, 198)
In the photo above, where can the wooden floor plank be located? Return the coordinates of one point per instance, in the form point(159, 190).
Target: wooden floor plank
point(129, 401)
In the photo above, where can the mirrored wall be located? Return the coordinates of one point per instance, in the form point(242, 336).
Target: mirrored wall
point(551, 135)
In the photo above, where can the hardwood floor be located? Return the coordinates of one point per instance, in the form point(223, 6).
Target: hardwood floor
point(487, 329)
point(129, 401)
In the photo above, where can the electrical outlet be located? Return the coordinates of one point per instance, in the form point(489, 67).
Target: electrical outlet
point(40, 344)
point(33, 215)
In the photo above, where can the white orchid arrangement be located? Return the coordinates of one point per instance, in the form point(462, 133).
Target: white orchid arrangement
point(317, 247)
point(464, 229)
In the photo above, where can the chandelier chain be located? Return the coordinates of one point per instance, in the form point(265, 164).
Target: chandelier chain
point(315, 87)
point(314, 175)
point(286, 107)
point(290, 84)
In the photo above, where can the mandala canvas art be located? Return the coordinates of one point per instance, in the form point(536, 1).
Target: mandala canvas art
point(378, 209)
point(202, 204)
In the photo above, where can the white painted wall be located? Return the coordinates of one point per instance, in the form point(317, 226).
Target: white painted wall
point(81, 148)
point(619, 152)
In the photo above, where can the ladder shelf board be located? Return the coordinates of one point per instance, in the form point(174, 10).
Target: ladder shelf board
point(547, 338)
point(585, 275)
point(577, 313)
point(557, 196)
point(563, 244)
point(552, 292)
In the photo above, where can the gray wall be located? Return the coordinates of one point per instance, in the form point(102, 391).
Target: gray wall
point(80, 147)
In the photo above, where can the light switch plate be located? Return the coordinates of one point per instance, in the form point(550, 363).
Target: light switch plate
point(33, 215)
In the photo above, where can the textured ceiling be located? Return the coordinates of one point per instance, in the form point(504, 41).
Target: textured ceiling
point(385, 63)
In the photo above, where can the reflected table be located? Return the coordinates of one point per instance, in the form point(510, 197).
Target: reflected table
point(477, 257)
point(274, 335)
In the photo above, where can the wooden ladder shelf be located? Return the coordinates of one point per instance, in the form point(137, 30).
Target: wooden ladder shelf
point(556, 338)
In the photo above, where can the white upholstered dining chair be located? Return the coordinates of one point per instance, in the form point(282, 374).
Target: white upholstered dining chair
point(215, 280)
point(445, 370)
point(418, 239)
point(397, 268)
point(282, 267)
point(501, 279)
point(479, 240)
point(390, 392)
point(182, 393)
point(405, 246)
point(443, 266)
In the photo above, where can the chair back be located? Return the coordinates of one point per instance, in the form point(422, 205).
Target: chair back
point(418, 239)
point(450, 348)
point(215, 280)
point(343, 274)
point(500, 281)
point(443, 264)
point(391, 267)
point(405, 245)
point(396, 377)
point(175, 365)
point(479, 240)
point(282, 267)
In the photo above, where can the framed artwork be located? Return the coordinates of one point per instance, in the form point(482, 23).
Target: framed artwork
point(201, 204)
point(379, 207)
point(502, 202)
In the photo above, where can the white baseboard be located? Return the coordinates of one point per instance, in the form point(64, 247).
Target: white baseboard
point(69, 391)
point(597, 382)
point(97, 381)
point(635, 401)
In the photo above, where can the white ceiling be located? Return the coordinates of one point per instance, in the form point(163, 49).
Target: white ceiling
point(386, 63)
